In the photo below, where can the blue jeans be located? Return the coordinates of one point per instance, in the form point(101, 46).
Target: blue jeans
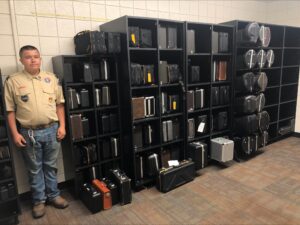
point(40, 159)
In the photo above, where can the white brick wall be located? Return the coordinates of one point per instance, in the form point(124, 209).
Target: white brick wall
point(50, 25)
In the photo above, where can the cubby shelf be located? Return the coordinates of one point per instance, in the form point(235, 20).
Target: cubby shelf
point(283, 75)
point(206, 54)
point(10, 204)
point(152, 55)
point(94, 113)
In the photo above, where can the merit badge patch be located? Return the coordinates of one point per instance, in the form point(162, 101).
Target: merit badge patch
point(24, 98)
point(50, 99)
point(47, 80)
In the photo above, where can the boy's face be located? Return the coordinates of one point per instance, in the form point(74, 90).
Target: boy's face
point(31, 60)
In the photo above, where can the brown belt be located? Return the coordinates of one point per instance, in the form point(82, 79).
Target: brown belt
point(39, 127)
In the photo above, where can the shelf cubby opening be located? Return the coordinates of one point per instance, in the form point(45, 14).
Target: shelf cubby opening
point(276, 36)
point(273, 113)
point(272, 131)
point(287, 110)
point(273, 77)
point(205, 70)
point(290, 75)
point(291, 57)
point(179, 28)
point(150, 24)
point(272, 96)
point(289, 93)
point(202, 37)
point(292, 37)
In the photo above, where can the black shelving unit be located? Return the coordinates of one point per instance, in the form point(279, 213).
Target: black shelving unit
point(204, 56)
point(81, 173)
point(10, 205)
point(283, 75)
point(149, 56)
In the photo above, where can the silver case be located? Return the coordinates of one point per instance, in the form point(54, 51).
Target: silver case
point(222, 149)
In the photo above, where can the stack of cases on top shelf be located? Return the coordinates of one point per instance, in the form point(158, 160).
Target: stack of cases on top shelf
point(93, 143)
point(282, 72)
point(209, 63)
point(152, 98)
point(9, 201)
point(256, 61)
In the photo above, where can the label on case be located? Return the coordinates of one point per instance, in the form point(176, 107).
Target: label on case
point(201, 127)
point(174, 105)
point(133, 38)
point(149, 77)
point(173, 163)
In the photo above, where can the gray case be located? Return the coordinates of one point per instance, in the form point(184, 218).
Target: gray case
point(162, 37)
point(164, 102)
point(190, 42)
point(165, 131)
point(199, 98)
point(114, 147)
point(222, 149)
point(190, 101)
point(170, 130)
point(106, 95)
point(149, 105)
point(191, 128)
point(163, 72)
point(98, 97)
point(215, 42)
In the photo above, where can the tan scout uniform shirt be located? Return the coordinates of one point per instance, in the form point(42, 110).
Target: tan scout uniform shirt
point(33, 98)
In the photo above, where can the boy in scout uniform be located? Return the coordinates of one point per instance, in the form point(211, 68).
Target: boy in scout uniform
point(34, 100)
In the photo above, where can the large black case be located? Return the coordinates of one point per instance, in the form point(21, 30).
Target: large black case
point(90, 42)
point(249, 34)
point(246, 125)
point(224, 95)
point(113, 42)
point(245, 83)
point(194, 74)
point(172, 177)
point(124, 185)
point(263, 119)
point(197, 151)
point(82, 72)
point(246, 104)
point(136, 74)
point(114, 190)
point(91, 197)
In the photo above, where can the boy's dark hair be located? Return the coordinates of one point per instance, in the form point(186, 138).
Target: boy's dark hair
point(26, 47)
